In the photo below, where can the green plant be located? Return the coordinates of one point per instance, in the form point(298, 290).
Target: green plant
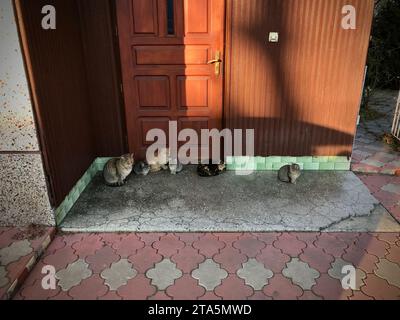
point(384, 52)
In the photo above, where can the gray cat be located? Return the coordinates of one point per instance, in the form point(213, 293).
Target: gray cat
point(289, 173)
point(117, 170)
point(141, 168)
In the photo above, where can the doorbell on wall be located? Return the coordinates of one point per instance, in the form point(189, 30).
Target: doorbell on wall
point(273, 37)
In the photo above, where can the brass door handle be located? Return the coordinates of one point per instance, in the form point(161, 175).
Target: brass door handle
point(217, 61)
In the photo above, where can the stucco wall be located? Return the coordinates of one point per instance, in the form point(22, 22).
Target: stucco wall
point(23, 191)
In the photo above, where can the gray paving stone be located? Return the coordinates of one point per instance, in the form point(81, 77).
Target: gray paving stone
point(372, 162)
point(209, 274)
point(3, 277)
point(301, 273)
point(164, 274)
point(255, 274)
point(336, 272)
point(14, 252)
point(118, 274)
point(393, 188)
point(73, 274)
point(389, 271)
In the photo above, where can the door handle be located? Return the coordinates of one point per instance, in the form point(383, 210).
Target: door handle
point(217, 62)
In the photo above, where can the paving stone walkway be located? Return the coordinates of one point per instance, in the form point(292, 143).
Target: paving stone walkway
point(218, 266)
point(371, 154)
point(19, 250)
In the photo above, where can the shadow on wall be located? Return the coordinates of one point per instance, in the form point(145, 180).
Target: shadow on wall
point(293, 92)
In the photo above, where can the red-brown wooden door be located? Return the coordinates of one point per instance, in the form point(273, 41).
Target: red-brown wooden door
point(165, 46)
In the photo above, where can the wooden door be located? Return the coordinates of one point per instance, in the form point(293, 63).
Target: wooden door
point(165, 48)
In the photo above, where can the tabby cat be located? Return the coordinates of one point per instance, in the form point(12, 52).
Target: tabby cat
point(210, 169)
point(117, 170)
point(289, 173)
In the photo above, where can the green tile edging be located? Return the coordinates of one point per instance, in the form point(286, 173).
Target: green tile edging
point(62, 211)
point(320, 163)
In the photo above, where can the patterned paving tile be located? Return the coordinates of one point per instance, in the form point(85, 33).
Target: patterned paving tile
point(380, 289)
point(138, 288)
point(14, 252)
point(336, 272)
point(330, 288)
point(118, 274)
point(273, 259)
point(168, 245)
point(317, 258)
point(88, 246)
point(249, 245)
point(209, 245)
point(127, 245)
point(164, 274)
point(300, 273)
point(209, 274)
point(73, 274)
point(331, 244)
point(89, 289)
point(255, 274)
point(281, 288)
point(187, 259)
point(145, 259)
point(186, 288)
point(217, 266)
point(289, 244)
point(234, 288)
point(102, 259)
point(230, 259)
point(19, 250)
point(389, 271)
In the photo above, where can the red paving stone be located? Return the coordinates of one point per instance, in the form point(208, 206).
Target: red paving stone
point(289, 244)
point(361, 259)
point(168, 245)
point(102, 259)
point(230, 259)
point(189, 238)
point(138, 288)
point(160, 295)
point(188, 259)
point(331, 244)
point(145, 259)
point(380, 289)
point(273, 259)
point(185, 288)
point(330, 289)
point(249, 245)
point(209, 295)
point(127, 245)
point(267, 237)
point(281, 288)
point(317, 258)
point(209, 245)
point(229, 251)
point(88, 246)
point(234, 288)
point(91, 287)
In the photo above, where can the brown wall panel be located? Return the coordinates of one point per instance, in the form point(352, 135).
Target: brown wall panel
point(102, 73)
point(302, 94)
point(73, 78)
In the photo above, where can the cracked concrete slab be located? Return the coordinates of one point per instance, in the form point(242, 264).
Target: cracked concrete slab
point(320, 201)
